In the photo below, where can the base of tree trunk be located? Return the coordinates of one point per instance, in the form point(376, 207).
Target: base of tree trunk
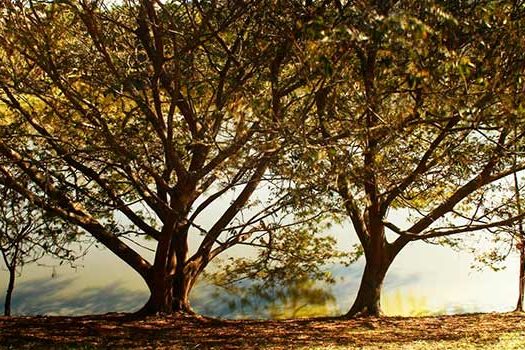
point(178, 308)
point(368, 301)
point(9, 292)
point(357, 312)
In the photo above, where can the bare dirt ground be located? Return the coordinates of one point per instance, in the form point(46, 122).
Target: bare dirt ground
point(118, 331)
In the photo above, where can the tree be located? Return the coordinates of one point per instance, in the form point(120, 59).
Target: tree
point(149, 111)
point(26, 235)
point(419, 113)
point(503, 240)
point(520, 246)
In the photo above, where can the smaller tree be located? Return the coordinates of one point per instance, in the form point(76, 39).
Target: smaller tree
point(519, 234)
point(416, 118)
point(26, 235)
point(504, 240)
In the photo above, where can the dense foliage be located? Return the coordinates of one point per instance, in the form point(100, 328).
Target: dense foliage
point(254, 123)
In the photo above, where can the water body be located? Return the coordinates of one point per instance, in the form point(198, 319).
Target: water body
point(431, 277)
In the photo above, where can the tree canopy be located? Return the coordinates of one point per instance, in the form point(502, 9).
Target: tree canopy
point(151, 110)
point(421, 112)
point(162, 119)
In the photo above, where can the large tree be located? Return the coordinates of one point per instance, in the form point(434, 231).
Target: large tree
point(419, 115)
point(152, 112)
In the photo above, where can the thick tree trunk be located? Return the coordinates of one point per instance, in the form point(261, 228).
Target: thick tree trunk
point(368, 300)
point(521, 287)
point(159, 279)
point(379, 255)
point(9, 292)
point(172, 277)
point(170, 295)
point(182, 284)
point(183, 278)
point(159, 302)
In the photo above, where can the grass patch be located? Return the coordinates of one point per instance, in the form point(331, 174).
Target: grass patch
point(506, 341)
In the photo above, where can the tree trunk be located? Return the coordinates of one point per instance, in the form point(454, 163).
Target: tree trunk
point(368, 300)
point(172, 277)
point(170, 295)
point(379, 255)
point(521, 242)
point(182, 284)
point(161, 297)
point(184, 276)
point(159, 279)
point(9, 292)
point(519, 305)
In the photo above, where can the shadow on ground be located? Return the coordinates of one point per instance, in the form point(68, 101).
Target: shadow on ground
point(123, 332)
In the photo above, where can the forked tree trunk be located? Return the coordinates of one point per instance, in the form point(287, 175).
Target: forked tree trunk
point(9, 292)
point(521, 291)
point(170, 285)
point(171, 279)
point(159, 280)
point(170, 296)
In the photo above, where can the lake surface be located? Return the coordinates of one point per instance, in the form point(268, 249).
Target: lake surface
point(423, 279)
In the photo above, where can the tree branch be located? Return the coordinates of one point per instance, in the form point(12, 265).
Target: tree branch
point(72, 212)
point(352, 210)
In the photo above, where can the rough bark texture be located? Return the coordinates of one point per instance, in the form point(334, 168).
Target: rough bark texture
point(182, 284)
point(368, 300)
point(169, 297)
point(160, 300)
point(172, 275)
point(170, 294)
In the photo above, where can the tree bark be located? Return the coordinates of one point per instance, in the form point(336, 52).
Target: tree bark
point(368, 300)
point(161, 297)
point(182, 284)
point(9, 292)
point(159, 279)
point(521, 289)
point(172, 276)
point(184, 275)
point(521, 244)
point(170, 294)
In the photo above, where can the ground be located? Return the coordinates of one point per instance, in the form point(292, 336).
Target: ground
point(117, 331)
